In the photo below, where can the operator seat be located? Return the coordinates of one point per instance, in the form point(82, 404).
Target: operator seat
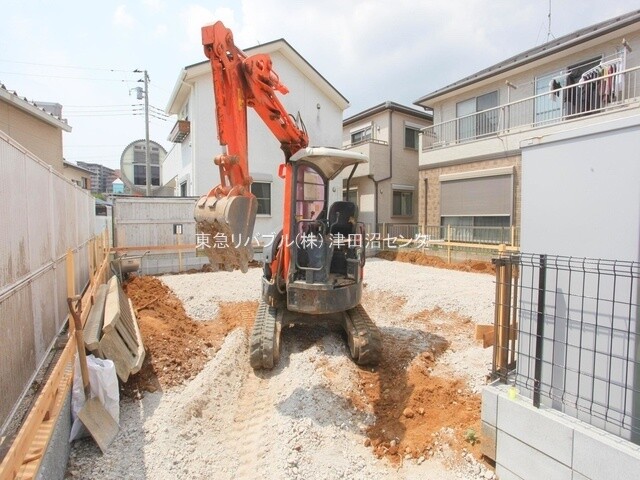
point(342, 218)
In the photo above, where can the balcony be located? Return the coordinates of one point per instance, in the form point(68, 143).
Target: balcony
point(378, 153)
point(606, 94)
point(180, 130)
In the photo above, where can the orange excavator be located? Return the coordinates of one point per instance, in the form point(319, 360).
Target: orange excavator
point(313, 269)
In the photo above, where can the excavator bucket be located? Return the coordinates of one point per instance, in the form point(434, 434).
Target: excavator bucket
point(224, 227)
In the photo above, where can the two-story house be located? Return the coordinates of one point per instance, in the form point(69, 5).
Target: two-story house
point(34, 127)
point(386, 189)
point(470, 159)
point(548, 141)
point(190, 161)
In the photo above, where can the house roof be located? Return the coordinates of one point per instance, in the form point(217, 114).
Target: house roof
point(68, 164)
point(181, 88)
point(396, 107)
point(25, 105)
point(557, 45)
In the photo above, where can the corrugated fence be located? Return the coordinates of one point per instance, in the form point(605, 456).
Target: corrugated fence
point(42, 216)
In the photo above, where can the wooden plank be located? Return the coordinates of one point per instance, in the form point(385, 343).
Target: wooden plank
point(141, 352)
point(111, 307)
point(56, 385)
point(481, 330)
point(93, 326)
point(114, 349)
point(155, 248)
point(488, 338)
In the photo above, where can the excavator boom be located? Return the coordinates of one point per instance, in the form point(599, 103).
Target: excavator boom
point(228, 212)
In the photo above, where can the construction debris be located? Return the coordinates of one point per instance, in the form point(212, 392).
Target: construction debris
point(112, 330)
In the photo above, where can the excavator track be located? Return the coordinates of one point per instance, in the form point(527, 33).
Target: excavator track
point(265, 338)
point(364, 337)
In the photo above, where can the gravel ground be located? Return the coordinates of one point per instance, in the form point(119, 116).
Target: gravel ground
point(298, 421)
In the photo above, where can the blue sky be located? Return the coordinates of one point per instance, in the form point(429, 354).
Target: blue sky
point(82, 54)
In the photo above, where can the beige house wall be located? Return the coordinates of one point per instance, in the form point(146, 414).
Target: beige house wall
point(429, 193)
point(40, 138)
point(78, 176)
point(388, 127)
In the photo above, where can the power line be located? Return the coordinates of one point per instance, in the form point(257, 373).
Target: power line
point(101, 106)
point(69, 78)
point(68, 66)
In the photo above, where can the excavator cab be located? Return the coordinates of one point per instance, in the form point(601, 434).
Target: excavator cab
point(329, 245)
point(316, 274)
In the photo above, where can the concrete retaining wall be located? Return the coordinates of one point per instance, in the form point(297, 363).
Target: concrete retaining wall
point(534, 443)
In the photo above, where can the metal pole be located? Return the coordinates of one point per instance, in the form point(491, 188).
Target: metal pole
point(146, 134)
point(542, 285)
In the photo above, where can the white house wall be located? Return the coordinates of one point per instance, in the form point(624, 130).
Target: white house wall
point(324, 126)
point(581, 195)
point(177, 165)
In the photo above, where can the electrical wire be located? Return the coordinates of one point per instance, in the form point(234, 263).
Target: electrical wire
point(68, 66)
point(70, 78)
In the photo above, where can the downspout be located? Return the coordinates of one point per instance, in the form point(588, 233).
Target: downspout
point(376, 182)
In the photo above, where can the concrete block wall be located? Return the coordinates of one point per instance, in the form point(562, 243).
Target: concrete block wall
point(533, 443)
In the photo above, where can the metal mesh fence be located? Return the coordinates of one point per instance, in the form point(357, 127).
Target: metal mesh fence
point(567, 336)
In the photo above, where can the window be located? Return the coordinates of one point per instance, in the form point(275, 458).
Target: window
point(140, 165)
point(483, 229)
point(561, 103)
point(363, 135)
point(484, 121)
point(140, 175)
point(310, 193)
point(402, 203)
point(351, 195)
point(411, 138)
point(183, 189)
point(262, 191)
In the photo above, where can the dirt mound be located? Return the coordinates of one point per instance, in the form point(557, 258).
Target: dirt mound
point(177, 347)
point(419, 258)
point(419, 413)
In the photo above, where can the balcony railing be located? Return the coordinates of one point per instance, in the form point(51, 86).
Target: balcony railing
point(367, 140)
point(574, 101)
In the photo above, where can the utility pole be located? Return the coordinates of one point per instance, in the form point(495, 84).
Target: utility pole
point(147, 154)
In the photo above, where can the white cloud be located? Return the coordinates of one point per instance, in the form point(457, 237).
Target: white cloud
point(155, 5)
point(195, 17)
point(160, 31)
point(122, 18)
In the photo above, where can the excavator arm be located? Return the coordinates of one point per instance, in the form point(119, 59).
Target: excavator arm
point(228, 211)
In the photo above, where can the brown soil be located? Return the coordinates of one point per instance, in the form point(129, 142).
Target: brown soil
point(176, 346)
point(419, 258)
point(419, 413)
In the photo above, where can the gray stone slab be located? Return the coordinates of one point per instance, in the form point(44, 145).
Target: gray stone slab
point(579, 476)
point(488, 436)
point(489, 410)
point(527, 462)
point(536, 428)
point(600, 456)
point(504, 473)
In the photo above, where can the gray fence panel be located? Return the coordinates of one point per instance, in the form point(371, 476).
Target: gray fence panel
point(43, 216)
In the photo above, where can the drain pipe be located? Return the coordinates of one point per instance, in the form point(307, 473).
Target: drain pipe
point(376, 182)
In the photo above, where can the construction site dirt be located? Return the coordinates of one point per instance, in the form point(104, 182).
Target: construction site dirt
point(197, 407)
